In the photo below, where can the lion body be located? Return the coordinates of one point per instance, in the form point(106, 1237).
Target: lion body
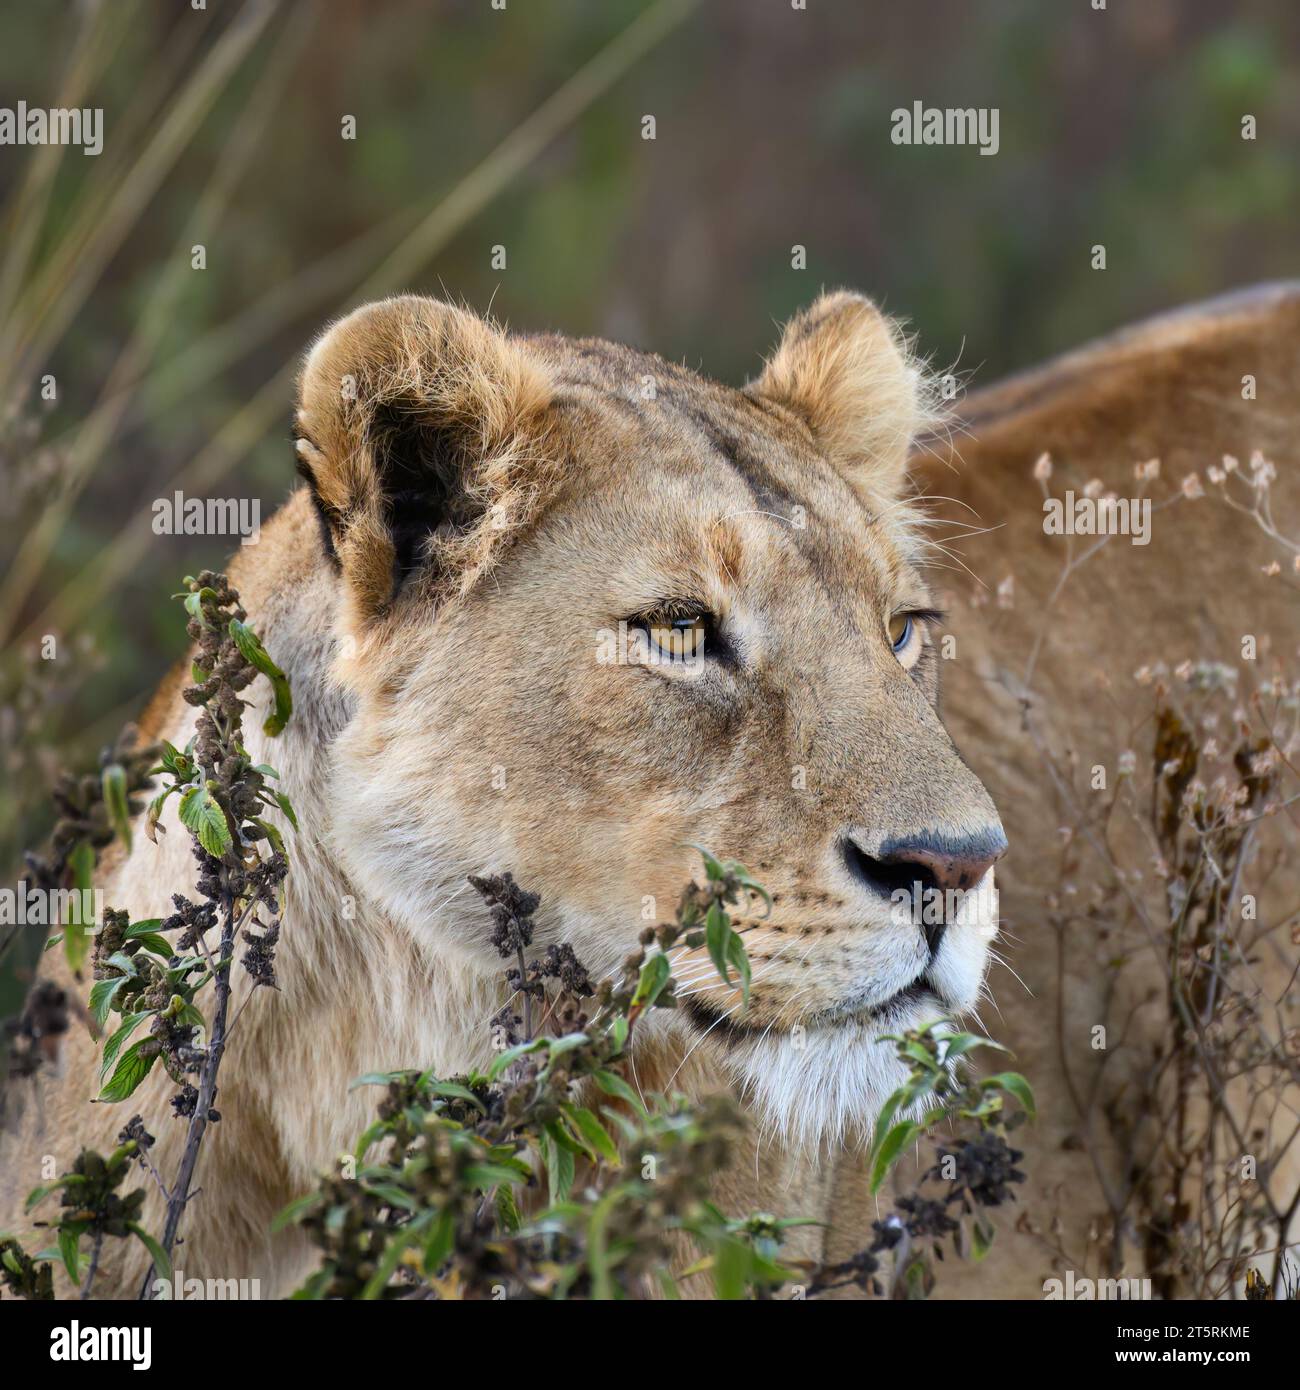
point(1170, 389)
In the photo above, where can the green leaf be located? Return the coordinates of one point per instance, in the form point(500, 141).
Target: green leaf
point(113, 783)
point(76, 939)
point(101, 999)
point(712, 866)
point(894, 1143)
point(593, 1134)
point(175, 762)
point(602, 1285)
point(286, 806)
point(567, 1140)
point(130, 1022)
point(313, 1291)
point(567, 1043)
point(885, 1119)
point(716, 931)
point(485, 1176)
point(1016, 1085)
point(276, 721)
point(981, 1240)
point(378, 1078)
point(558, 1160)
point(194, 604)
point(159, 945)
point(739, 958)
point(512, 1054)
point(375, 1131)
point(731, 1265)
point(453, 1090)
point(655, 974)
point(69, 1240)
point(958, 1044)
point(918, 1087)
point(126, 964)
point(201, 813)
point(442, 1237)
point(130, 1072)
point(613, 1085)
point(507, 1155)
point(274, 838)
point(395, 1196)
point(251, 649)
point(507, 1210)
point(162, 1265)
point(190, 1014)
point(37, 1195)
point(742, 877)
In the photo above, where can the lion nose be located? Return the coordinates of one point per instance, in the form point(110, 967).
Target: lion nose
point(921, 864)
point(933, 860)
point(952, 865)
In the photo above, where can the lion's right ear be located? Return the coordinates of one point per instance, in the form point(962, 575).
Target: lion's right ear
point(420, 431)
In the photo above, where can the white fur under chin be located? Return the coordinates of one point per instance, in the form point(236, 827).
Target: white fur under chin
point(823, 1087)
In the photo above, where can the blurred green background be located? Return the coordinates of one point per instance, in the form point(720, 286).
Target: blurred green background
point(521, 127)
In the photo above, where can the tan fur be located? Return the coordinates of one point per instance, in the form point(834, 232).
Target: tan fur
point(1170, 389)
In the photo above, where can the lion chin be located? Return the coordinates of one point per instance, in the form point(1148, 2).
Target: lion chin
point(820, 1085)
point(824, 1093)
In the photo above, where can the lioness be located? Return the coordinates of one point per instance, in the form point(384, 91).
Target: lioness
point(489, 525)
point(480, 513)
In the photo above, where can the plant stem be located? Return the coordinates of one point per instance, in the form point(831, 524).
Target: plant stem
point(528, 998)
point(94, 1266)
point(180, 1192)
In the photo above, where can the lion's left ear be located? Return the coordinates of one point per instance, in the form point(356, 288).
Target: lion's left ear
point(844, 368)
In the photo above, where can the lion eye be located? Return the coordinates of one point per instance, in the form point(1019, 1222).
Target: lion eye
point(900, 632)
point(677, 639)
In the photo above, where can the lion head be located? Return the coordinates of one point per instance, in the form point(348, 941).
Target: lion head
point(597, 609)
